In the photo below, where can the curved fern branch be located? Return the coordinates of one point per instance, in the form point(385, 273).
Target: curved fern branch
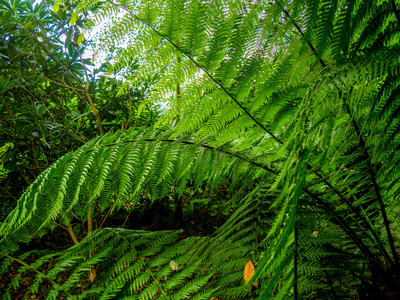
point(248, 113)
point(370, 171)
point(340, 221)
point(141, 258)
point(246, 95)
point(38, 272)
point(396, 12)
point(205, 146)
point(200, 67)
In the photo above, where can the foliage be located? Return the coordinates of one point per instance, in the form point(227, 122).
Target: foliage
point(294, 103)
point(51, 101)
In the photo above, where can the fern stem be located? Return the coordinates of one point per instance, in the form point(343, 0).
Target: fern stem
point(345, 227)
point(232, 97)
point(201, 68)
point(38, 272)
point(396, 12)
point(141, 258)
point(363, 219)
point(371, 173)
point(330, 284)
point(105, 217)
point(302, 34)
point(341, 222)
point(195, 144)
point(90, 219)
point(378, 240)
point(71, 231)
point(257, 221)
point(220, 85)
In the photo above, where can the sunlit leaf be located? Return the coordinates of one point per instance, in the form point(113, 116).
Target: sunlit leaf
point(174, 266)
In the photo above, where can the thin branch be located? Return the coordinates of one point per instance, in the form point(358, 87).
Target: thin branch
point(89, 98)
point(35, 159)
point(96, 114)
point(8, 111)
point(130, 111)
point(26, 90)
point(61, 64)
point(23, 175)
point(84, 137)
point(105, 217)
point(90, 219)
point(71, 231)
point(60, 84)
point(126, 219)
point(6, 190)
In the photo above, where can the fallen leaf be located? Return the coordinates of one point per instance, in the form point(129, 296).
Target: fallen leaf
point(315, 233)
point(92, 275)
point(248, 270)
point(174, 266)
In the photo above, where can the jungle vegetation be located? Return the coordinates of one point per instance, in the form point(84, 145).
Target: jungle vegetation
point(260, 137)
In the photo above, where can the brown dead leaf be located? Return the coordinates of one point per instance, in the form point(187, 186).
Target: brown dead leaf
point(92, 275)
point(248, 270)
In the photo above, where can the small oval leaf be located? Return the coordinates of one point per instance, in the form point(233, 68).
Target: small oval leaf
point(174, 266)
point(248, 271)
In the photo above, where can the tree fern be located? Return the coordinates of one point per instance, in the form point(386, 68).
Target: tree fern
point(295, 103)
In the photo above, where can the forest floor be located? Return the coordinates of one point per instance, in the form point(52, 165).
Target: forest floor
point(154, 217)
